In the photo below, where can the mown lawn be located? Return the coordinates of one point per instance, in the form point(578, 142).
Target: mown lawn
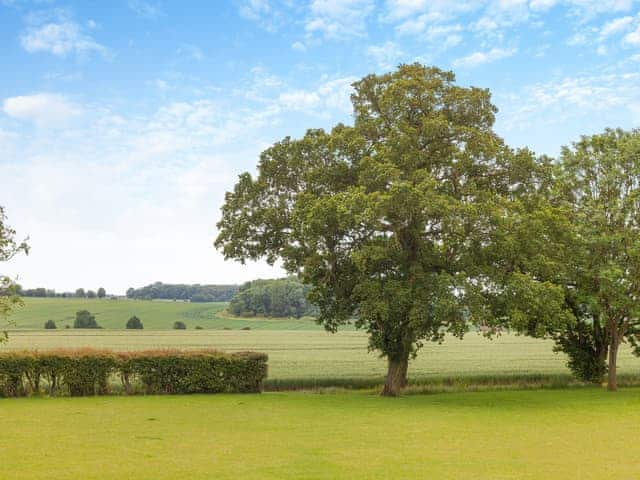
point(545, 434)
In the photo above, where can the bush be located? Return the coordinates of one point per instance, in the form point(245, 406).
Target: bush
point(86, 372)
point(198, 327)
point(50, 325)
point(179, 325)
point(84, 319)
point(134, 323)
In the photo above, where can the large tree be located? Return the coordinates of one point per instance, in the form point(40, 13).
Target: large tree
point(393, 222)
point(9, 247)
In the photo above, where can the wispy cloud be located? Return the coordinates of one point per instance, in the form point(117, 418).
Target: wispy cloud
point(479, 58)
point(146, 10)
point(386, 55)
point(59, 36)
point(338, 19)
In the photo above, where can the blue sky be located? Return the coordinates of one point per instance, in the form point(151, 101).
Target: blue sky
point(123, 123)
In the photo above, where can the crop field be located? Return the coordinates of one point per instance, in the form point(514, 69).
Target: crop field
point(545, 434)
point(301, 353)
point(317, 357)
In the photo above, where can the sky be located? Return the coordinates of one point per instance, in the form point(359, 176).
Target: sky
point(123, 123)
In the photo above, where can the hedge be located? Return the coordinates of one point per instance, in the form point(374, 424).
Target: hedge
point(84, 372)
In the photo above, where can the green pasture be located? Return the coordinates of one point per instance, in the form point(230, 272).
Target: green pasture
point(155, 314)
point(544, 434)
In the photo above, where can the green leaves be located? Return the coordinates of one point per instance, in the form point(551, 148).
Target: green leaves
point(412, 223)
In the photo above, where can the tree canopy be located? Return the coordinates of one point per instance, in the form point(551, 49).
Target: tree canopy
point(84, 319)
point(284, 297)
point(396, 221)
point(194, 293)
point(597, 189)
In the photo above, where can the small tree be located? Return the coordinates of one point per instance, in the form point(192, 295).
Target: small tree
point(134, 323)
point(91, 294)
point(50, 325)
point(599, 183)
point(102, 292)
point(84, 319)
point(9, 290)
point(179, 325)
point(80, 293)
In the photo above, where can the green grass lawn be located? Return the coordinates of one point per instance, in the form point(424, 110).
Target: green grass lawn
point(155, 315)
point(546, 434)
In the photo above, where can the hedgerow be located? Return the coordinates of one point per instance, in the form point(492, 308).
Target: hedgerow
point(85, 372)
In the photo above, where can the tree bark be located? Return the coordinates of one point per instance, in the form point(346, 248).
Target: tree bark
point(396, 377)
point(612, 380)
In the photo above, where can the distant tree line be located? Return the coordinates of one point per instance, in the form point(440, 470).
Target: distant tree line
point(284, 297)
point(50, 293)
point(193, 293)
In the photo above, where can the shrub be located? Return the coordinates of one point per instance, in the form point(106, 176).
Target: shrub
point(134, 323)
point(198, 327)
point(179, 325)
point(196, 371)
point(84, 319)
point(86, 372)
point(50, 325)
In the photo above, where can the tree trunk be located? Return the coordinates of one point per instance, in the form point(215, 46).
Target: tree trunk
point(612, 383)
point(403, 373)
point(396, 377)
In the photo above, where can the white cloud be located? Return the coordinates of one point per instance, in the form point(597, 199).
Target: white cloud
point(616, 26)
point(633, 38)
point(480, 58)
point(386, 55)
point(329, 96)
point(299, 100)
point(299, 47)
point(59, 38)
point(43, 109)
point(572, 97)
point(542, 5)
point(578, 38)
point(146, 9)
point(264, 13)
point(338, 18)
point(254, 9)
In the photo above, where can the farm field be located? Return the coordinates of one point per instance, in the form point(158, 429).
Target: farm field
point(546, 434)
point(155, 314)
point(333, 359)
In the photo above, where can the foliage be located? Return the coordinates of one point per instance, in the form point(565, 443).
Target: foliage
point(394, 221)
point(85, 372)
point(9, 247)
point(102, 292)
point(595, 237)
point(195, 371)
point(50, 325)
point(134, 323)
point(84, 319)
point(285, 297)
point(80, 293)
point(179, 325)
point(194, 293)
